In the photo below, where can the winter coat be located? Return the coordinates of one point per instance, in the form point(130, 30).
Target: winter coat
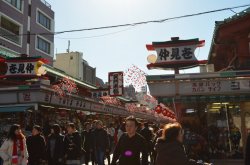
point(101, 140)
point(37, 149)
point(6, 152)
point(87, 140)
point(58, 150)
point(72, 146)
point(171, 153)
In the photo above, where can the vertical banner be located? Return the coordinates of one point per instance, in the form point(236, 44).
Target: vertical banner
point(116, 84)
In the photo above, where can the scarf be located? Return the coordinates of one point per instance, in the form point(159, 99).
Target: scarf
point(15, 148)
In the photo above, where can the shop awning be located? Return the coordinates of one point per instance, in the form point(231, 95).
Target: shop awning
point(14, 109)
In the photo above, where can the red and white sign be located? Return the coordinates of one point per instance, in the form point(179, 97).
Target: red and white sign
point(116, 83)
point(175, 54)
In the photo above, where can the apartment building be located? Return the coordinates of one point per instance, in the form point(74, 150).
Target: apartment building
point(73, 64)
point(26, 27)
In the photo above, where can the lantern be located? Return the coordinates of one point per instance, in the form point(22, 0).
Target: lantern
point(164, 112)
point(158, 109)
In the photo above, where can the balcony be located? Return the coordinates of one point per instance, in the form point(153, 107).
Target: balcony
point(46, 3)
point(10, 36)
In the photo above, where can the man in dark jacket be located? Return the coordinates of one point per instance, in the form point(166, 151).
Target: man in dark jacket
point(101, 143)
point(72, 145)
point(88, 140)
point(36, 146)
point(55, 146)
point(130, 146)
point(148, 135)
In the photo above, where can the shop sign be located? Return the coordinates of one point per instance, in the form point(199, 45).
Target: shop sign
point(21, 68)
point(116, 84)
point(174, 54)
point(205, 87)
point(28, 97)
point(99, 94)
point(69, 102)
point(97, 107)
point(215, 87)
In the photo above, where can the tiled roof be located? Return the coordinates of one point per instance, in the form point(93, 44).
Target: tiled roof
point(225, 21)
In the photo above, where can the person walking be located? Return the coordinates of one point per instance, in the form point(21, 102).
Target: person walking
point(87, 136)
point(130, 146)
point(72, 146)
point(36, 147)
point(13, 150)
point(169, 147)
point(148, 135)
point(101, 143)
point(55, 148)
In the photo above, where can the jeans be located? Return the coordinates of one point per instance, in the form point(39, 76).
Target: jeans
point(100, 156)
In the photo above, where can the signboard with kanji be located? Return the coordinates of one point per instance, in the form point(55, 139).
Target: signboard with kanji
point(174, 54)
point(116, 83)
point(21, 68)
point(201, 87)
point(182, 53)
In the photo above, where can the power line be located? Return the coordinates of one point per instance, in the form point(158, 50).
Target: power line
point(134, 24)
point(95, 36)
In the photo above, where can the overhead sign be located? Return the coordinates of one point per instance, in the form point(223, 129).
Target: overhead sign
point(174, 54)
point(116, 83)
point(202, 87)
point(21, 67)
point(170, 54)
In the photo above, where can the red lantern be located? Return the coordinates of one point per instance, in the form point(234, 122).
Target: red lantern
point(158, 109)
point(164, 112)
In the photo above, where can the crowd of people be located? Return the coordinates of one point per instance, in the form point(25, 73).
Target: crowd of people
point(130, 144)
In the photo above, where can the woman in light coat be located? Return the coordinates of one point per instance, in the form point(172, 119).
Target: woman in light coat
point(14, 151)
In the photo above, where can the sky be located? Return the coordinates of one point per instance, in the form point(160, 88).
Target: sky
point(117, 49)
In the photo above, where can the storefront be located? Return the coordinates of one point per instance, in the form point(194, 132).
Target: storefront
point(32, 92)
point(213, 105)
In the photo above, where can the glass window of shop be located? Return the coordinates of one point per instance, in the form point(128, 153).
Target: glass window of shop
point(213, 130)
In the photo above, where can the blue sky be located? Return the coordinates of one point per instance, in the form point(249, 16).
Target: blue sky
point(117, 49)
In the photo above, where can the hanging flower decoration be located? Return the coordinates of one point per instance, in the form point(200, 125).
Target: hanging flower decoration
point(111, 100)
point(136, 77)
point(65, 86)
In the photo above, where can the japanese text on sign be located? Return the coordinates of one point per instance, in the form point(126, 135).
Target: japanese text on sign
point(115, 83)
point(182, 53)
point(21, 68)
point(206, 86)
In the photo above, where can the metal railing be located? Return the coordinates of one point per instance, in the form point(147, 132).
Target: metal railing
point(46, 3)
point(10, 36)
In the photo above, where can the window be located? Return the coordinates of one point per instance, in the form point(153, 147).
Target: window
point(10, 30)
point(44, 20)
point(16, 3)
point(43, 45)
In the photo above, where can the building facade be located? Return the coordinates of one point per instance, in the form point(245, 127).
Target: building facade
point(73, 64)
point(26, 27)
point(230, 47)
point(215, 105)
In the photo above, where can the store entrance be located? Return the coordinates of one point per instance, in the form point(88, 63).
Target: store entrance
point(213, 130)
